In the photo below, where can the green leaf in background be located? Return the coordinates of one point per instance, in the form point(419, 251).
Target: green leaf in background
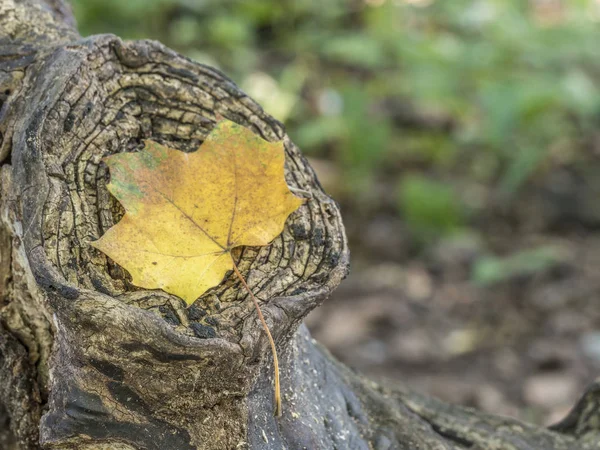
point(365, 136)
point(358, 50)
point(431, 208)
point(490, 269)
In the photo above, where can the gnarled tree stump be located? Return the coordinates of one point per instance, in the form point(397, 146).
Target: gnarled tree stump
point(88, 360)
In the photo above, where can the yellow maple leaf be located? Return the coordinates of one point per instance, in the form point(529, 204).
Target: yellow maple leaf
point(185, 212)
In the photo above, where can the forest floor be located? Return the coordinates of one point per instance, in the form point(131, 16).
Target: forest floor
point(525, 345)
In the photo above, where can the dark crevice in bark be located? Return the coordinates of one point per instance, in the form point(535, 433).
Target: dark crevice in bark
point(7, 438)
point(453, 437)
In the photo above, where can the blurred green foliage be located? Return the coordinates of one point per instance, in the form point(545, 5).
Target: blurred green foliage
point(491, 270)
point(430, 206)
point(487, 92)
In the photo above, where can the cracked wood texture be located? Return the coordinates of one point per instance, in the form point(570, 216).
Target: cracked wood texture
point(89, 361)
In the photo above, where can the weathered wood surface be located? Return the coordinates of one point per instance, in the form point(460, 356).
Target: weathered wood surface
point(88, 361)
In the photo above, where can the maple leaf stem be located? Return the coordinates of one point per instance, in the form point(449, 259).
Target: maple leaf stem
point(271, 341)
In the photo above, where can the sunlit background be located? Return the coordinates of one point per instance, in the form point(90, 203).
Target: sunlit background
point(462, 140)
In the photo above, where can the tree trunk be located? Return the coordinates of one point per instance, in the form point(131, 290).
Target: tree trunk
point(88, 361)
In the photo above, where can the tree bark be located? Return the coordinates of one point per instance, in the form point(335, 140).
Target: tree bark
point(89, 361)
